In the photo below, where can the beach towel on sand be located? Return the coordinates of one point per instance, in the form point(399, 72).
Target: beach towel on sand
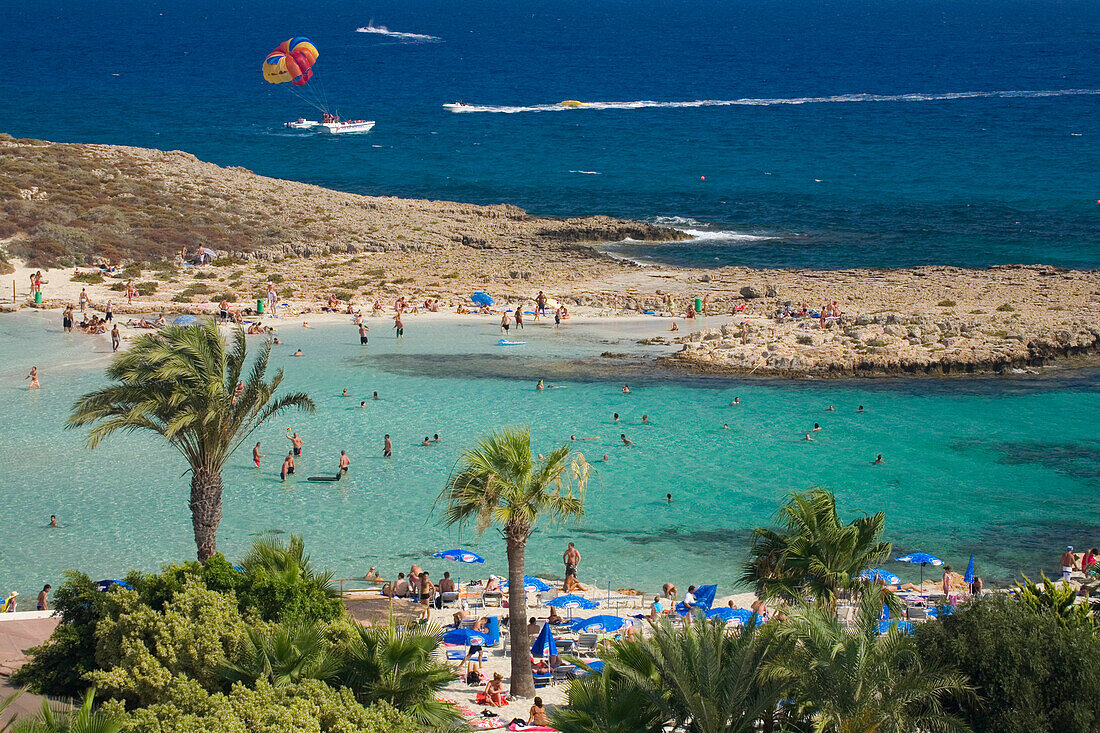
point(532, 728)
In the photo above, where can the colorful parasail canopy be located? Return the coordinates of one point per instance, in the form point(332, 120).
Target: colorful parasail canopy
point(291, 61)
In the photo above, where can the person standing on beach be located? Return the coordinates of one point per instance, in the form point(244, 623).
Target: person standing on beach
point(572, 558)
point(67, 319)
point(272, 296)
point(83, 299)
point(387, 447)
point(540, 305)
point(116, 338)
point(945, 583)
point(399, 325)
point(44, 598)
point(129, 292)
point(1069, 563)
point(256, 455)
point(297, 441)
point(519, 316)
point(110, 313)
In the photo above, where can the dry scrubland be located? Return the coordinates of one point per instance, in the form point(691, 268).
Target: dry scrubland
point(64, 204)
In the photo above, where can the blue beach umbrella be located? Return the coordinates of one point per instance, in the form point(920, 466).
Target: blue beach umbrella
point(106, 585)
point(601, 623)
point(573, 601)
point(874, 574)
point(729, 615)
point(924, 559)
point(545, 645)
point(184, 320)
point(465, 637)
point(530, 583)
point(458, 556)
point(969, 577)
point(480, 298)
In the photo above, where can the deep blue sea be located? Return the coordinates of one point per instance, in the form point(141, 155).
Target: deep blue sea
point(830, 134)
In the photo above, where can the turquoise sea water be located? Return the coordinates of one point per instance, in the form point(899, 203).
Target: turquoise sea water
point(1005, 468)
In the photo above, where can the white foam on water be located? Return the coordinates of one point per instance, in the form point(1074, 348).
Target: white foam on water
point(588, 173)
point(677, 221)
point(764, 102)
point(725, 236)
point(382, 30)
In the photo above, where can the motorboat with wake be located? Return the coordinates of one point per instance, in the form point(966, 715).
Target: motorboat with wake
point(302, 124)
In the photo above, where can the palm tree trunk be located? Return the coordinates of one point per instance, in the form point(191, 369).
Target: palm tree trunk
point(522, 683)
point(206, 510)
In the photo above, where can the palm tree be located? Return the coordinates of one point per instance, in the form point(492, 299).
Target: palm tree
point(283, 655)
point(854, 680)
point(814, 555)
point(288, 561)
point(180, 382)
point(402, 667)
point(66, 720)
point(500, 483)
point(607, 703)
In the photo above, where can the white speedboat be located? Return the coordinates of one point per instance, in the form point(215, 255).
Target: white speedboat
point(302, 124)
point(348, 126)
point(456, 106)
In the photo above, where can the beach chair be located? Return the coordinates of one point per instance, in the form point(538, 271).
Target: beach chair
point(449, 599)
point(586, 643)
point(564, 673)
point(467, 623)
point(917, 613)
point(496, 596)
point(542, 680)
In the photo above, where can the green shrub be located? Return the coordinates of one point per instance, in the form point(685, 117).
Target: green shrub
point(118, 287)
point(145, 289)
point(226, 261)
point(205, 274)
point(92, 278)
point(876, 343)
point(1031, 672)
point(805, 340)
point(227, 296)
point(307, 706)
point(947, 304)
point(343, 295)
point(1006, 308)
point(181, 297)
point(131, 271)
point(198, 289)
point(275, 278)
point(450, 276)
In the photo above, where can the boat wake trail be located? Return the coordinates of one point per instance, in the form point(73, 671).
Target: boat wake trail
point(751, 102)
point(382, 30)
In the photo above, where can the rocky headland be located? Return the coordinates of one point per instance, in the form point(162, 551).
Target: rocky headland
point(64, 207)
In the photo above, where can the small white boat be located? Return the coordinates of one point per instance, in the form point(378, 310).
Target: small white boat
point(333, 124)
point(302, 124)
point(349, 126)
point(456, 106)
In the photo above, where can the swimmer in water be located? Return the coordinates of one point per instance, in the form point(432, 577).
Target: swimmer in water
point(736, 401)
point(832, 409)
point(574, 437)
point(363, 404)
point(816, 427)
point(859, 409)
point(540, 385)
point(615, 417)
point(725, 426)
point(344, 462)
point(426, 441)
point(605, 458)
point(626, 390)
point(387, 447)
point(345, 394)
point(297, 353)
point(878, 460)
point(435, 437)
point(256, 455)
point(33, 376)
point(668, 498)
point(376, 396)
point(645, 419)
point(808, 438)
point(53, 520)
point(626, 440)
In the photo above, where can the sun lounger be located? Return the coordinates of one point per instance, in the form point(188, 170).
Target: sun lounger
point(542, 680)
point(492, 595)
point(449, 599)
point(563, 673)
point(586, 643)
point(917, 613)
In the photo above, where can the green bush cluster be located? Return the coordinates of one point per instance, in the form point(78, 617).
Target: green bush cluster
point(260, 648)
point(92, 278)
